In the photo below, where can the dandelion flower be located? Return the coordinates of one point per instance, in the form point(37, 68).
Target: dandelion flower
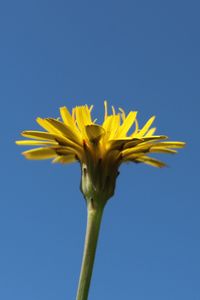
point(100, 149)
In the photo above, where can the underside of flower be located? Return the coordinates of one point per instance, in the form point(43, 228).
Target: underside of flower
point(100, 149)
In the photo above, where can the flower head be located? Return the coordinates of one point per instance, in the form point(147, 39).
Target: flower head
point(100, 149)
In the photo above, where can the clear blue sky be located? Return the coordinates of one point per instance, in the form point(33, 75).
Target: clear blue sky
point(140, 55)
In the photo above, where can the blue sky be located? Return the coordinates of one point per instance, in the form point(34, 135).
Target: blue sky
point(139, 55)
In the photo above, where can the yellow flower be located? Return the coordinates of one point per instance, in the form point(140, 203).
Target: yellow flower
point(100, 149)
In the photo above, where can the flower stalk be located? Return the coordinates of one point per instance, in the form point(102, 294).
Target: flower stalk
point(94, 217)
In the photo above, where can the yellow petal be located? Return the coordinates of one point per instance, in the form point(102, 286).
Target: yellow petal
point(66, 116)
point(127, 124)
point(143, 143)
point(65, 130)
point(134, 134)
point(151, 131)
point(65, 159)
point(156, 149)
point(134, 142)
point(35, 143)
point(44, 124)
point(65, 151)
point(38, 135)
point(171, 144)
point(146, 146)
point(154, 138)
point(145, 128)
point(151, 161)
point(111, 125)
point(132, 156)
point(40, 153)
point(48, 136)
point(83, 118)
point(94, 132)
point(138, 148)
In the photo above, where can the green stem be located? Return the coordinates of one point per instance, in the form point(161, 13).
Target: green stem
point(94, 216)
